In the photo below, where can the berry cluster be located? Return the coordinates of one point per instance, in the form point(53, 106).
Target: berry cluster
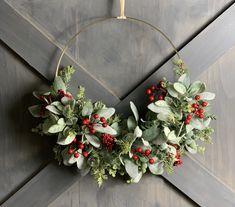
point(78, 145)
point(107, 141)
point(178, 160)
point(89, 123)
point(196, 109)
point(158, 91)
point(137, 152)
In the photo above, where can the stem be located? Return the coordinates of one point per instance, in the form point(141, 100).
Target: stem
point(181, 127)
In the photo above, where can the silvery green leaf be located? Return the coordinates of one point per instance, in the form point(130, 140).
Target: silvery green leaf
point(47, 124)
point(166, 131)
point(189, 128)
point(146, 143)
point(87, 109)
point(61, 121)
point(73, 159)
point(180, 88)
point(160, 140)
point(62, 140)
point(56, 128)
point(207, 96)
point(93, 140)
point(58, 84)
point(66, 100)
point(172, 91)
point(107, 130)
point(80, 162)
point(106, 112)
point(163, 116)
point(156, 168)
point(53, 109)
point(151, 133)
point(191, 146)
point(116, 127)
point(196, 88)
point(207, 122)
point(58, 105)
point(131, 123)
point(131, 168)
point(172, 138)
point(197, 124)
point(66, 156)
point(159, 107)
point(137, 178)
point(164, 146)
point(137, 132)
point(35, 110)
point(135, 111)
point(185, 79)
point(172, 150)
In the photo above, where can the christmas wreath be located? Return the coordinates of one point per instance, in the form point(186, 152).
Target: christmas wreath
point(99, 141)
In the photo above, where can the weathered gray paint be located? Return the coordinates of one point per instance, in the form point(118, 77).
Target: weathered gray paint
point(202, 64)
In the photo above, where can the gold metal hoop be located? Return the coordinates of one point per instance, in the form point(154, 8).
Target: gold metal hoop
point(120, 18)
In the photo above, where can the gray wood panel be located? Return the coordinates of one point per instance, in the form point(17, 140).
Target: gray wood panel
point(115, 50)
point(21, 152)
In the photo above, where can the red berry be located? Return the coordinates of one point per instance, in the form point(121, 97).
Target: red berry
point(189, 116)
point(153, 88)
point(104, 125)
point(151, 98)
point(85, 154)
point(81, 146)
point(161, 83)
point(195, 105)
point(95, 116)
point(197, 97)
point(187, 121)
point(148, 91)
point(204, 103)
point(139, 149)
point(160, 97)
point(147, 152)
point(92, 130)
point(85, 121)
point(201, 116)
point(151, 161)
point(200, 111)
point(75, 140)
point(70, 151)
point(102, 119)
point(135, 157)
point(196, 113)
point(76, 155)
point(134, 150)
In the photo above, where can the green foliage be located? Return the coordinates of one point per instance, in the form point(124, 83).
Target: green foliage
point(66, 74)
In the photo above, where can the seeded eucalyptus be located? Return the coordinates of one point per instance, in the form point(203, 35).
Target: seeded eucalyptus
point(95, 138)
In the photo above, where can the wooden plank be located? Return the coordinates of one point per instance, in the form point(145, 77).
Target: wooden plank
point(216, 192)
point(42, 54)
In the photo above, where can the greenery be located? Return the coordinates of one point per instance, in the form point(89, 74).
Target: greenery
point(97, 140)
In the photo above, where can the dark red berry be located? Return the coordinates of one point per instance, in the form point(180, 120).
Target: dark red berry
point(148, 91)
point(85, 154)
point(85, 121)
point(187, 121)
point(153, 88)
point(200, 111)
point(151, 161)
point(197, 97)
point(204, 103)
point(102, 119)
point(104, 125)
point(134, 150)
point(151, 98)
point(160, 97)
point(81, 146)
point(147, 152)
point(92, 130)
point(70, 151)
point(189, 116)
point(195, 105)
point(76, 155)
point(196, 113)
point(201, 116)
point(95, 116)
point(135, 157)
point(139, 149)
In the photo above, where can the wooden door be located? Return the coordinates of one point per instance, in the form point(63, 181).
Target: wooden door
point(121, 59)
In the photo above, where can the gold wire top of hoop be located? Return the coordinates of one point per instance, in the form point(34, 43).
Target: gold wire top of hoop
point(99, 20)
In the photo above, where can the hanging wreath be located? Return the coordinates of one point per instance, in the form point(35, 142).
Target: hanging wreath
point(99, 141)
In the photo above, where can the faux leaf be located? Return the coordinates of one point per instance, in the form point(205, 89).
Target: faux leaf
point(87, 109)
point(185, 79)
point(53, 109)
point(180, 88)
point(207, 96)
point(191, 146)
point(107, 130)
point(156, 168)
point(151, 133)
point(35, 110)
point(135, 111)
point(131, 168)
point(196, 88)
point(58, 84)
point(92, 139)
point(131, 123)
point(65, 140)
point(137, 132)
point(106, 112)
point(172, 91)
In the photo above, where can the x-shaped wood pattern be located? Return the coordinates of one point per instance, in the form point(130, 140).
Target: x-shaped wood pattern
point(204, 45)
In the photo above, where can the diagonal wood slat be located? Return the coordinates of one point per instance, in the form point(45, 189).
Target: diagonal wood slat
point(204, 45)
point(20, 35)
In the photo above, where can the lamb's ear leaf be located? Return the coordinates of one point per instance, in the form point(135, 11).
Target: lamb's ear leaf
point(93, 140)
point(87, 109)
point(106, 112)
point(156, 168)
point(135, 111)
point(131, 123)
point(131, 168)
point(58, 84)
point(107, 130)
